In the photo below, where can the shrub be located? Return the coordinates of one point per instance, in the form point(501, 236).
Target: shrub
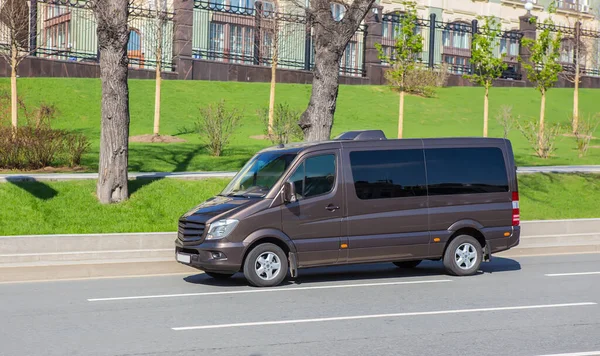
point(544, 145)
point(585, 132)
point(505, 118)
point(35, 144)
point(285, 124)
point(76, 146)
point(216, 125)
point(425, 81)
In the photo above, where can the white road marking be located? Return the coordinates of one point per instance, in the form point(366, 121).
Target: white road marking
point(591, 353)
point(571, 274)
point(374, 316)
point(270, 290)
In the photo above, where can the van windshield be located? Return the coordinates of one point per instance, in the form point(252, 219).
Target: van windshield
point(259, 174)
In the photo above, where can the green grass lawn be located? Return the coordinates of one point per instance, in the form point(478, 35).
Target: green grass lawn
point(71, 207)
point(455, 112)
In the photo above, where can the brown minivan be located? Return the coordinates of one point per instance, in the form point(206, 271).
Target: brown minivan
point(358, 198)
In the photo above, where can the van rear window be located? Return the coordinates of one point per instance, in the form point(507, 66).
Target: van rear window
point(388, 173)
point(465, 170)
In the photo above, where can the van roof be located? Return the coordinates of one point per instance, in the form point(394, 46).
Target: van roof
point(337, 143)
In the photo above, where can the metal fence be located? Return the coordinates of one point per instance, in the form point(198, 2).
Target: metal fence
point(66, 30)
point(449, 44)
point(581, 41)
point(249, 33)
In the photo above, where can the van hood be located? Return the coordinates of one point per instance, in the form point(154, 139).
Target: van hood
point(219, 205)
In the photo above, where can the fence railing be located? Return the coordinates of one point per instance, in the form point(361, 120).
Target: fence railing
point(251, 32)
point(450, 43)
point(577, 40)
point(66, 30)
point(229, 32)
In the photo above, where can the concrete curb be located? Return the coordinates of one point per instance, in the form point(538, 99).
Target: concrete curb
point(54, 177)
point(51, 257)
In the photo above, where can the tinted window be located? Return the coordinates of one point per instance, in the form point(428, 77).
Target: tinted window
point(388, 173)
point(315, 176)
point(466, 170)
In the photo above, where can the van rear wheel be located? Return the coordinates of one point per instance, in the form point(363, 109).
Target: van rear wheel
point(463, 256)
point(266, 265)
point(408, 264)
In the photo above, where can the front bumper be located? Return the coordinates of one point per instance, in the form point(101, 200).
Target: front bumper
point(218, 256)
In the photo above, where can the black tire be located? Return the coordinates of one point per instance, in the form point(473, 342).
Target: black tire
point(251, 264)
point(450, 262)
point(408, 264)
point(216, 275)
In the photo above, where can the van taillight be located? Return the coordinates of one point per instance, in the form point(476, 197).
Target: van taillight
point(515, 209)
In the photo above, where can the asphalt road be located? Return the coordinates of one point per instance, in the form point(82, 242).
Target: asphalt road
point(526, 306)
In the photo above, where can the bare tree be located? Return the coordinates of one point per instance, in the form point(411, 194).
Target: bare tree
point(330, 40)
point(275, 31)
point(272, 30)
point(113, 35)
point(158, 29)
point(14, 47)
point(572, 73)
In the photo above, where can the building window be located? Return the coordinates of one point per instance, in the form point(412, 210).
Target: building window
point(268, 8)
point(56, 27)
point(216, 41)
point(134, 47)
point(457, 65)
point(242, 6)
point(350, 59)
point(338, 11)
point(457, 35)
point(216, 4)
point(509, 47)
point(241, 39)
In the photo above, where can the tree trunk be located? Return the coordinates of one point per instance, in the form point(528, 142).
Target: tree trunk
point(576, 101)
point(159, 48)
point(14, 113)
point(272, 94)
point(576, 59)
point(401, 114)
point(113, 35)
point(541, 132)
point(157, 94)
point(486, 111)
point(317, 120)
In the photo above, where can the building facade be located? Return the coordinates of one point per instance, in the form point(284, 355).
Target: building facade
point(245, 34)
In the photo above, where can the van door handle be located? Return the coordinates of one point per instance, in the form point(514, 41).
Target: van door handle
point(331, 207)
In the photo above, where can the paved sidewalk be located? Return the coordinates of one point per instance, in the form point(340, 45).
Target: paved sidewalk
point(20, 177)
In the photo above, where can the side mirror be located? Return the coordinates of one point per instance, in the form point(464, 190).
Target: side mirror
point(289, 192)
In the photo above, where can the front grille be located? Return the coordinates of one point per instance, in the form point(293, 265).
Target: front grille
point(190, 233)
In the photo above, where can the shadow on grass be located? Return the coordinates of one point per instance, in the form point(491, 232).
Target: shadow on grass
point(182, 158)
point(361, 272)
point(530, 184)
point(36, 188)
point(137, 184)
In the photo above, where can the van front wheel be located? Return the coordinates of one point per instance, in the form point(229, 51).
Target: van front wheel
point(266, 265)
point(463, 256)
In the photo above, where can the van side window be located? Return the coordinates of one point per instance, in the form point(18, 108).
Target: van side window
point(388, 173)
point(466, 170)
point(315, 176)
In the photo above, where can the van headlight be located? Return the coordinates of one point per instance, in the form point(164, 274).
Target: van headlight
point(220, 229)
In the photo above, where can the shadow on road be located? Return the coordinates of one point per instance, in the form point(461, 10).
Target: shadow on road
point(361, 272)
